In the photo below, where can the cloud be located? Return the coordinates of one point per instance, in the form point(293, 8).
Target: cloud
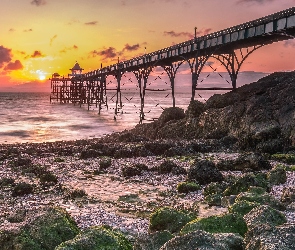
point(65, 50)
point(36, 54)
point(5, 55)
point(107, 53)
point(11, 30)
point(254, 1)
point(178, 34)
point(131, 47)
point(28, 30)
point(52, 39)
point(17, 65)
point(38, 2)
point(91, 23)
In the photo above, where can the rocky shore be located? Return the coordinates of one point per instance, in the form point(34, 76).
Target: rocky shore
point(219, 176)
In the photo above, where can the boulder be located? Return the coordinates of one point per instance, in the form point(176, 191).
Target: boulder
point(204, 172)
point(45, 231)
point(153, 241)
point(268, 237)
point(102, 237)
point(226, 223)
point(205, 241)
point(277, 175)
point(264, 215)
point(168, 219)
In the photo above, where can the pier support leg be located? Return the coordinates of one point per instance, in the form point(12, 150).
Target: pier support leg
point(234, 60)
point(171, 71)
point(196, 65)
point(119, 94)
point(142, 76)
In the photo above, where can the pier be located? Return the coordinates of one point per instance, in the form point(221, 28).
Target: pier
point(231, 47)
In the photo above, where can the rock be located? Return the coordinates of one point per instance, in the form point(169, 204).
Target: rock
point(205, 241)
point(277, 175)
point(102, 237)
point(158, 147)
point(46, 231)
point(22, 188)
point(256, 195)
point(168, 219)
point(253, 161)
point(187, 187)
point(171, 114)
point(90, 153)
point(242, 207)
point(204, 172)
point(285, 158)
point(152, 241)
point(194, 109)
point(133, 170)
point(168, 166)
point(227, 223)
point(227, 201)
point(105, 163)
point(213, 199)
point(288, 195)
point(243, 183)
point(264, 215)
point(268, 238)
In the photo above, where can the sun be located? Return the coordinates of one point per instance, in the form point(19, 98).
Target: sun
point(42, 77)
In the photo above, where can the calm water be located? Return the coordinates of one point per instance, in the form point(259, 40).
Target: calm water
point(30, 117)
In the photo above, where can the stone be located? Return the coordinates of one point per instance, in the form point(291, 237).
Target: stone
point(264, 215)
point(204, 172)
point(265, 237)
point(153, 241)
point(288, 195)
point(277, 175)
point(205, 241)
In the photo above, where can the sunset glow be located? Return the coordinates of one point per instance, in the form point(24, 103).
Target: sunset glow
point(41, 37)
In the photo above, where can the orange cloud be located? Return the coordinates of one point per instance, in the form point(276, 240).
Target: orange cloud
point(17, 65)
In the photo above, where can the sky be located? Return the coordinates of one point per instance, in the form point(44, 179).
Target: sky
point(41, 37)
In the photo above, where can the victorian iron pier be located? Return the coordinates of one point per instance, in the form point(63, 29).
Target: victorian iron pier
point(231, 47)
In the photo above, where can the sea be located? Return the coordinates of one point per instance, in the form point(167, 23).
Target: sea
point(30, 117)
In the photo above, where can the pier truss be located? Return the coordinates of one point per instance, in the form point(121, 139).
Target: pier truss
point(231, 47)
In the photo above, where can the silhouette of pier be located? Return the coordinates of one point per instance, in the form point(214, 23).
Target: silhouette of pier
point(231, 47)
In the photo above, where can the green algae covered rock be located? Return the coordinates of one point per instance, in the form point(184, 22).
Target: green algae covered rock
point(168, 219)
point(243, 207)
point(97, 238)
point(152, 241)
point(243, 183)
point(186, 187)
point(258, 195)
point(277, 175)
point(264, 215)
point(205, 241)
point(227, 223)
point(46, 232)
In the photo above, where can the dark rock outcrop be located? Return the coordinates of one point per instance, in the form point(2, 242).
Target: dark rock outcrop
point(204, 172)
point(257, 116)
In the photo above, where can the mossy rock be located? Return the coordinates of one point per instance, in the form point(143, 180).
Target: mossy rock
point(5, 181)
point(256, 195)
point(152, 241)
point(45, 232)
point(286, 158)
point(168, 219)
point(213, 199)
point(187, 187)
point(97, 238)
point(243, 183)
point(277, 175)
point(227, 223)
point(263, 215)
point(242, 207)
point(22, 189)
point(214, 188)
